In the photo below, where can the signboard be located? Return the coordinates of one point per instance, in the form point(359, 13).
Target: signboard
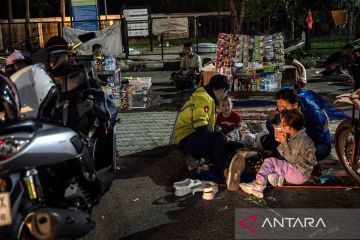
point(85, 14)
point(138, 21)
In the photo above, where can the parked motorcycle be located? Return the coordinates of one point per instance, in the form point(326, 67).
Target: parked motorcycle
point(347, 135)
point(57, 159)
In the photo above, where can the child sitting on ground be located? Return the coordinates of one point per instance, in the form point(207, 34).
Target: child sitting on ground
point(228, 120)
point(298, 150)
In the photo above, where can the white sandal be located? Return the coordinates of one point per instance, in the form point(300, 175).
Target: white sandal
point(187, 186)
point(210, 190)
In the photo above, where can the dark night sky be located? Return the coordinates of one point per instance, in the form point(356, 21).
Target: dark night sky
point(114, 6)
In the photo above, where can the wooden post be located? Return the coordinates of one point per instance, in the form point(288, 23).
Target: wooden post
point(1, 39)
point(10, 21)
point(41, 34)
point(62, 11)
point(27, 19)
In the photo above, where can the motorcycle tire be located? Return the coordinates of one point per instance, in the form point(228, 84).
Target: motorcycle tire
point(344, 138)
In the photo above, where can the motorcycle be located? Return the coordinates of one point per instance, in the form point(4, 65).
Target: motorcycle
point(57, 159)
point(347, 135)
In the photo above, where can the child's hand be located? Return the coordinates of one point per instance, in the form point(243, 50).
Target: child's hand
point(280, 137)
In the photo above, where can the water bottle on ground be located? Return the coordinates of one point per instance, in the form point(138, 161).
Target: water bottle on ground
point(235, 135)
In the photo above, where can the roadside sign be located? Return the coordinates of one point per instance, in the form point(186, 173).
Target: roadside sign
point(138, 21)
point(85, 14)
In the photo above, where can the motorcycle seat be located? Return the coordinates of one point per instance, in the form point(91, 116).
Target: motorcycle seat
point(29, 125)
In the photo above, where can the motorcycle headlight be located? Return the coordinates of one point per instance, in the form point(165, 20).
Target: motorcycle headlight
point(11, 146)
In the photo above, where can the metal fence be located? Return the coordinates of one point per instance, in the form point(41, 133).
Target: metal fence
point(202, 32)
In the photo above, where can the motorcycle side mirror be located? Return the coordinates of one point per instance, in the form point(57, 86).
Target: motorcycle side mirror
point(87, 36)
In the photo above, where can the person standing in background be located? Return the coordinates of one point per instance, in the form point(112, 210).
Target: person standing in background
point(309, 21)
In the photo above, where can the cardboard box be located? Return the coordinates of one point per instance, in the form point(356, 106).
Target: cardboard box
point(289, 77)
point(207, 72)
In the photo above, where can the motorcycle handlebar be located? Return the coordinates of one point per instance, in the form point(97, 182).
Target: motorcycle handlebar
point(85, 58)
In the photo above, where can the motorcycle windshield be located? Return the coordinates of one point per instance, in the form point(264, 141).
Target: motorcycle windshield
point(33, 84)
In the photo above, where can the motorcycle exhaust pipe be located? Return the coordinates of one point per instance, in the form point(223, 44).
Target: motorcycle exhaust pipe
point(57, 223)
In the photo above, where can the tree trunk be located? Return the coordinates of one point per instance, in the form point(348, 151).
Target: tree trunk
point(292, 29)
point(10, 21)
point(242, 16)
point(291, 20)
point(27, 19)
point(234, 17)
point(167, 6)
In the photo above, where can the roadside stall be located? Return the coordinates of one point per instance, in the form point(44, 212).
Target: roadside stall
point(128, 92)
point(135, 93)
point(253, 64)
point(109, 76)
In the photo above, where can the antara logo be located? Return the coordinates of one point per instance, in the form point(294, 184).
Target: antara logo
point(293, 222)
point(285, 222)
point(241, 223)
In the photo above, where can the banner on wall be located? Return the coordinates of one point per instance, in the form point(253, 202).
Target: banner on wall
point(109, 38)
point(85, 14)
point(171, 28)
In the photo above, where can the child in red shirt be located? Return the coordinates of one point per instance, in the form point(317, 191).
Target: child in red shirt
point(228, 119)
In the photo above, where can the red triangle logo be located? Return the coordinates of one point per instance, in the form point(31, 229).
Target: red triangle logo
point(241, 223)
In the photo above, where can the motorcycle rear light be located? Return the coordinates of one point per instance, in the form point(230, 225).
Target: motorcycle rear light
point(11, 146)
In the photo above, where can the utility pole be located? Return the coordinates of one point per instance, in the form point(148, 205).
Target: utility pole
point(106, 13)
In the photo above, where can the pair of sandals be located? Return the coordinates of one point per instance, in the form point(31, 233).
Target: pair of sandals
point(193, 186)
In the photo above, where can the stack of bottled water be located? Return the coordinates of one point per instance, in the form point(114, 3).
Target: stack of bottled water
point(269, 82)
point(110, 63)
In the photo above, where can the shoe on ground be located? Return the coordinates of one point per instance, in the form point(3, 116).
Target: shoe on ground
point(210, 190)
point(275, 180)
point(253, 188)
point(194, 163)
point(317, 170)
point(236, 167)
point(187, 186)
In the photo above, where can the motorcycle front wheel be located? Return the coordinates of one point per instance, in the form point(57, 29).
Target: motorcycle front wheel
point(345, 145)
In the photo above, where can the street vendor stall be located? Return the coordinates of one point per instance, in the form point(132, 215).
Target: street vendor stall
point(109, 76)
point(253, 64)
point(128, 92)
point(135, 93)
